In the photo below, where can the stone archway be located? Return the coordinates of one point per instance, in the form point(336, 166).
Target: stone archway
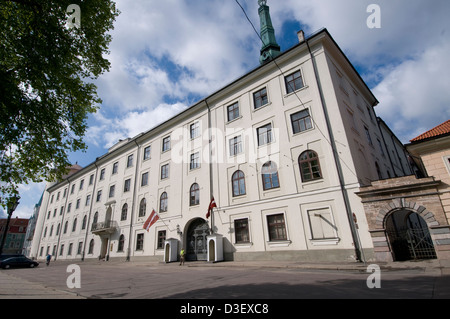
point(408, 236)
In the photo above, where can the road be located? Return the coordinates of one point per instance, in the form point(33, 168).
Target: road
point(141, 280)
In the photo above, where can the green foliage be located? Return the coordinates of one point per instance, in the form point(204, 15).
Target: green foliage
point(46, 89)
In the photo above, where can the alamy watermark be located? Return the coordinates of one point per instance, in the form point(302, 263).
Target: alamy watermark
point(74, 19)
point(374, 19)
point(74, 279)
point(374, 279)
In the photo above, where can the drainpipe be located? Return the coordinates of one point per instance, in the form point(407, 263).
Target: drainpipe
point(136, 180)
point(358, 249)
point(90, 213)
point(210, 164)
point(62, 220)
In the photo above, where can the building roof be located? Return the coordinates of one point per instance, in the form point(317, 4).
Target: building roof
point(441, 129)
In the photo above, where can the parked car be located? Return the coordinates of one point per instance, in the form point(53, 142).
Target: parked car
point(3, 257)
point(18, 262)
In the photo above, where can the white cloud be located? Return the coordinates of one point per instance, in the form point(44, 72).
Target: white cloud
point(415, 95)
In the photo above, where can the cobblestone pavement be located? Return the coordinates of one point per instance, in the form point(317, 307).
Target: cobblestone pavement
point(226, 280)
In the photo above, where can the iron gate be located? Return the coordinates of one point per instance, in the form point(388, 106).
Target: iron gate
point(411, 244)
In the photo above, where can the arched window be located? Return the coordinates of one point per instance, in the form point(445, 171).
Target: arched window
point(91, 247)
point(194, 197)
point(270, 175)
point(95, 221)
point(163, 203)
point(65, 227)
point(238, 183)
point(142, 207)
point(57, 229)
point(123, 216)
point(309, 166)
point(121, 243)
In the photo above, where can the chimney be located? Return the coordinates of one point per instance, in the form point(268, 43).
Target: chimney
point(301, 36)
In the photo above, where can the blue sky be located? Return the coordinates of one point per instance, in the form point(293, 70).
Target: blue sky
point(166, 55)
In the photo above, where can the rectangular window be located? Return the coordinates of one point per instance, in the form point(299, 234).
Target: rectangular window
point(322, 224)
point(147, 152)
point(130, 161)
point(115, 168)
point(161, 239)
point(78, 203)
point(233, 111)
point(260, 98)
point(112, 189)
point(369, 139)
point(69, 207)
point(165, 171)
point(276, 227)
point(81, 184)
point(72, 190)
point(195, 161)
point(264, 134)
point(91, 179)
point(166, 144)
point(235, 145)
point(99, 195)
point(301, 121)
point(241, 231)
point(88, 200)
point(127, 185)
point(140, 242)
point(102, 174)
point(144, 180)
point(293, 82)
point(195, 130)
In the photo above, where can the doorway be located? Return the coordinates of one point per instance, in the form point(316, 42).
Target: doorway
point(409, 236)
point(196, 242)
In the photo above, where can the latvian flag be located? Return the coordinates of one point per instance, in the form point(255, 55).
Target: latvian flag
point(151, 220)
point(212, 204)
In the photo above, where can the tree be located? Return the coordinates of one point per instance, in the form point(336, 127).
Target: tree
point(47, 66)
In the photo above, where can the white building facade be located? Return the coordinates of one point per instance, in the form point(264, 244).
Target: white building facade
point(282, 150)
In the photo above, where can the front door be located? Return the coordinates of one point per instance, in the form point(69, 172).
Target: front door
point(196, 240)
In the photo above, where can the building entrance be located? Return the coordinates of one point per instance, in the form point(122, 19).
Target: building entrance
point(409, 236)
point(196, 242)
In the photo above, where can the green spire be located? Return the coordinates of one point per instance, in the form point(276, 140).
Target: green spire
point(270, 48)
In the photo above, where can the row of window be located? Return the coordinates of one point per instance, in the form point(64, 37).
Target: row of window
point(293, 82)
point(321, 221)
point(309, 170)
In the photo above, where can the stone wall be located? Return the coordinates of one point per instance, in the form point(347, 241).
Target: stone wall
point(421, 196)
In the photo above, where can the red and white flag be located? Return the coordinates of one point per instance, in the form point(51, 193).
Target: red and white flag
point(151, 220)
point(212, 204)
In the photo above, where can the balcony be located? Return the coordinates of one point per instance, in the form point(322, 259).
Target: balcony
point(104, 228)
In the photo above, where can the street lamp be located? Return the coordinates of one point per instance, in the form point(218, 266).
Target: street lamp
point(13, 202)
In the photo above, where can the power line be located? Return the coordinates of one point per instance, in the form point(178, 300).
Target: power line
point(294, 91)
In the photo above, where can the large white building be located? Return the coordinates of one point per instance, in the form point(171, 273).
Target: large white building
point(282, 150)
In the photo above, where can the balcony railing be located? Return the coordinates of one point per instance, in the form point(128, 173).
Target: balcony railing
point(103, 228)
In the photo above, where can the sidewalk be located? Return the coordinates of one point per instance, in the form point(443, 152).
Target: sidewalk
point(13, 287)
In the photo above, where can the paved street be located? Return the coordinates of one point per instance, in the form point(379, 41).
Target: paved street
point(227, 280)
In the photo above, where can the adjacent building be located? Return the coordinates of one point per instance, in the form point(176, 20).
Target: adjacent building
point(283, 150)
point(15, 236)
point(409, 216)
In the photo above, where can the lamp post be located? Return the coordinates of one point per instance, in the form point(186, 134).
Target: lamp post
point(13, 202)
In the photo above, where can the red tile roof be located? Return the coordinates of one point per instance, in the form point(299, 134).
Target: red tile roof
point(441, 129)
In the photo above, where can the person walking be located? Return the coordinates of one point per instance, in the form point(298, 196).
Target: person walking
point(182, 254)
point(49, 257)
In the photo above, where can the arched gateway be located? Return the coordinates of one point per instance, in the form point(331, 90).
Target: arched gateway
point(196, 241)
point(409, 236)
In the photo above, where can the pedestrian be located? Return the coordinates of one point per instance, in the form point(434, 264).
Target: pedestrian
point(182, 254)
point(49, 257)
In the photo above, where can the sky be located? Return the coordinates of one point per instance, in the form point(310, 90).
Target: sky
point(167, 55)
